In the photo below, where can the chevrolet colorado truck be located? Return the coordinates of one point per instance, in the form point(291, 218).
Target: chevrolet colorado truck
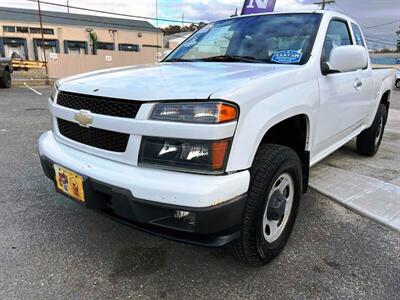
point(5, 73)
point(213, 145)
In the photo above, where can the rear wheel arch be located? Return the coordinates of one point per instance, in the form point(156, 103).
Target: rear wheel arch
point(385, 100)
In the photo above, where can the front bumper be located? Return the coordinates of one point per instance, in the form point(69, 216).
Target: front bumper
point(107, 191)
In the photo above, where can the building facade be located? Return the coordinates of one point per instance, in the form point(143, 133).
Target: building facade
point(20, 34)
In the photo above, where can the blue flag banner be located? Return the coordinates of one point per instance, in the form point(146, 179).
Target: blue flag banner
point(258, 6)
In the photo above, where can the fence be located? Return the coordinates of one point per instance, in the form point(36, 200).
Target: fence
point(62, 65)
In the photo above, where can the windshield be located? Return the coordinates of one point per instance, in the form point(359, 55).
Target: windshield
point(280, 38)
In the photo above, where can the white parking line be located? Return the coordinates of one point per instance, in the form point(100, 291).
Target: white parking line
point(32, 89)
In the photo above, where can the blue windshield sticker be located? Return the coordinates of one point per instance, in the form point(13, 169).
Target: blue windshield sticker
point(287, 57)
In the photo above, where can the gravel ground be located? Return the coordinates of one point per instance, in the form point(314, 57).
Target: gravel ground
point(51, 248)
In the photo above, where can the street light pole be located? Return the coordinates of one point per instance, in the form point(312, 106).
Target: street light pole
point(43, 45)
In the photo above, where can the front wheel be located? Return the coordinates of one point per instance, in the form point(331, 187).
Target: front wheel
point(273, 199)
point(369, 141)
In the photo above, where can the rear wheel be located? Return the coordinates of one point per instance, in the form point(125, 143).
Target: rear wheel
point(369, 141)
point(5, 80)
point(273, 198)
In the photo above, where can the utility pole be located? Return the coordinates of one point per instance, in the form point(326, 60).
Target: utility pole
point(68, 6)
point(158, 53)
point(183, 19)
point(323, 3)
point(43, 45)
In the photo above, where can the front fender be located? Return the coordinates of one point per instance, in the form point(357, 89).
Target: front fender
point(258, 116)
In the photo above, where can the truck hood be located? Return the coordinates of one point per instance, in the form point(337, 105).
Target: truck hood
point(169, 81)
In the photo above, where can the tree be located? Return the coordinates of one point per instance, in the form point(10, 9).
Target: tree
point(93, 40)
point(173, 29)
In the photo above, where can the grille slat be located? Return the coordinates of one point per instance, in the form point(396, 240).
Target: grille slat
point(100, 105)
point(95, 137)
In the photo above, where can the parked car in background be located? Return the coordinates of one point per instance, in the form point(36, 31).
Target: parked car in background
point(398, 79)
point(5, 72)
point(213, 146)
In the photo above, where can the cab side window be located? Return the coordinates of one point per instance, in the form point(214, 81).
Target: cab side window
point(338, 34)
point(357, 35)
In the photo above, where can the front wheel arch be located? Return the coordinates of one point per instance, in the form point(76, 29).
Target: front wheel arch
point(292, 132)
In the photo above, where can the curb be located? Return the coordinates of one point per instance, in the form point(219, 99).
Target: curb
point(372, 198)
point(356, 210)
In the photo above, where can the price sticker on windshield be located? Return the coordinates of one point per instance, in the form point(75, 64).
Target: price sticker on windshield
point(287, 57)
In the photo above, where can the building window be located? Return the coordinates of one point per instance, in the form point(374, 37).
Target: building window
point(75, 47)
point(105, 46)
point(128, 47)
point(45, 30)
point(152, 46)
point(9, 28)
point(48, 31)
point(22, 29)
point(34, 30)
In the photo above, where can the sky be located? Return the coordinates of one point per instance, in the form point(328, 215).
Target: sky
point(368, 13)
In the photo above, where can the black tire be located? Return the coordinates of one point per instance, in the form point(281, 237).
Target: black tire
point(398, 83)
point(5, 80)
point(369, 140)
point(269, 164)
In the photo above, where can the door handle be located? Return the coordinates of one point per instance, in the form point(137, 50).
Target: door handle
point(357, 84)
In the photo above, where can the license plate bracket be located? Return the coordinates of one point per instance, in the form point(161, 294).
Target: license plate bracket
point(69, 183)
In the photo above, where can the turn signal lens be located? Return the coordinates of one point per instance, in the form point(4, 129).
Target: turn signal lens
point(196, 112)
point(226, 113)
point(219, 150)
point(54, 91)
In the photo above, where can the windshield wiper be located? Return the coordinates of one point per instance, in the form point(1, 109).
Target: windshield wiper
point(178, 60)
point(233, 58)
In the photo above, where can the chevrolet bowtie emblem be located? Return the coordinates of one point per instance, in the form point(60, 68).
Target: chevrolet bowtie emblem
point(84, 118)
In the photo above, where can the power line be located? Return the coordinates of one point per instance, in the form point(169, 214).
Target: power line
point(70, 17)
point(379, 43)
point(384, 24)
point(379, 39)
point(351, 15)
point(113, 13)
point(362, 22)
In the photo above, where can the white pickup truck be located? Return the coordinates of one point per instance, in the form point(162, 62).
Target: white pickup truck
point(213, 145)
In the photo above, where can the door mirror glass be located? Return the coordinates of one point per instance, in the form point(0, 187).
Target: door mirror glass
point(346, 59)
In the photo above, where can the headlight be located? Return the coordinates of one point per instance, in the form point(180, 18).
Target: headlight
point(54, 91)
point(185, 155)
point(195, 112)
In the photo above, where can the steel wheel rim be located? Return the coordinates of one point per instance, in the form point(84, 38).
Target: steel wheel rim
point(272, 230)
point(379, 131)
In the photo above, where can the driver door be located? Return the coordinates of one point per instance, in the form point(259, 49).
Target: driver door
point(340, 111)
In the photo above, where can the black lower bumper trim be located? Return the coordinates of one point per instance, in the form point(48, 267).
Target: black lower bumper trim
point(212, 226)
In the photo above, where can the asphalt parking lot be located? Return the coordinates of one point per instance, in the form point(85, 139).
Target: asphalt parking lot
point(52, 248)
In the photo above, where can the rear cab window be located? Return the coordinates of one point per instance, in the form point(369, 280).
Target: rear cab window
point(357, 35)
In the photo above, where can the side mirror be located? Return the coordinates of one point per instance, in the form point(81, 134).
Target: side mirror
point(346, 59)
